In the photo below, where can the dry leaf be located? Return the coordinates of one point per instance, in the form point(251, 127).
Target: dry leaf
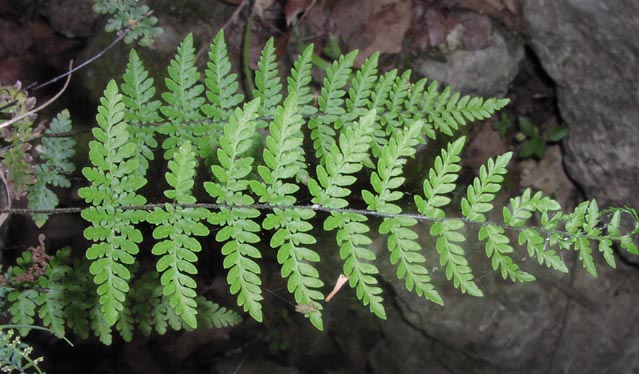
point(294, 8)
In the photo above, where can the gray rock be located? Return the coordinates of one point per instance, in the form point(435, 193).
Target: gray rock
point(484, 72)
point(590, 49)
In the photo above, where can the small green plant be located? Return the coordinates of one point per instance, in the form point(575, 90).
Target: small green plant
point(363, 126)
point(533, 141)
point(15, 356)
point(128, 14)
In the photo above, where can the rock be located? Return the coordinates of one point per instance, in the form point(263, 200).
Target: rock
point(485, 72)
point(71, 18)
point(590, 49)
point(514, 328)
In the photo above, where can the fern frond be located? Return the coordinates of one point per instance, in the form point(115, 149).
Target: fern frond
point(23, 308)
point(330, 190)
point(80, 291)
point(56, 153)
point(267, 80)
point(378, 102)
point(478, 202)
point(441, 180)
point(221, 85)
point(99, 324)
point(520, 211)
point(448, 112)
point(138, 93)
point(183, 102)
point(402, 240)
point(210, 314)
point(52, 302)
point(125, 322)
point(361, 89)
point(114, 185)
point(240, 227)
point(330, 104)
point(581, 224)
point(282, 156)
point(299, 82)
point(175, 225)
point(393, 117)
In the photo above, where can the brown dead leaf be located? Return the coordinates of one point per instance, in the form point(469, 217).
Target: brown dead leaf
point(294, 8)
point(372, 25)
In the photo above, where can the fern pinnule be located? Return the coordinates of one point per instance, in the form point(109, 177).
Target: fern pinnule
point(361, 88)
point(113, 186)
point(330, 103)
point(183, 102)
point(239, 227)
point(174, 226)
point(520, 211)
point(392, 119)
point(448, 111)
point(52, 302)
point(221, 85)
point(441, 180)
point(267, 80)
point(477, 202)
point(299, 82)
point(282, 157)
point(56, 153)
point(138, 93)
point(330, 189)
point(378, 103)
point(402, 240)
point(125, 322)
point(210, 314)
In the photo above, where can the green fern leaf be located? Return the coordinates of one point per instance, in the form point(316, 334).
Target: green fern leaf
point(125, 322)
point(221, 85)
point(113, 185)
point(23, 308)
point(402, 241)
point(330, 104)
point(520, 211)
point(52, 302)
point(361, 89)
point(497, 249)
point(441, 180)
point(299, 82)
point(210, 314)
point(183, 102)
point(176, 225)
point(138, 92)
point(239, 229)
point(56, 153)
point(330, 190)
point(282, 156)
point(393, 118)
point(79, 293)
point(267, 80)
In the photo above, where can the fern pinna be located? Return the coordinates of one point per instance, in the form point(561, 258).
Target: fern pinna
point(364, 123)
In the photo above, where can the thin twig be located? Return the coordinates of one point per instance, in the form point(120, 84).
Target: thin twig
point(97, 56)
point(230, 21)
point(54, 98)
